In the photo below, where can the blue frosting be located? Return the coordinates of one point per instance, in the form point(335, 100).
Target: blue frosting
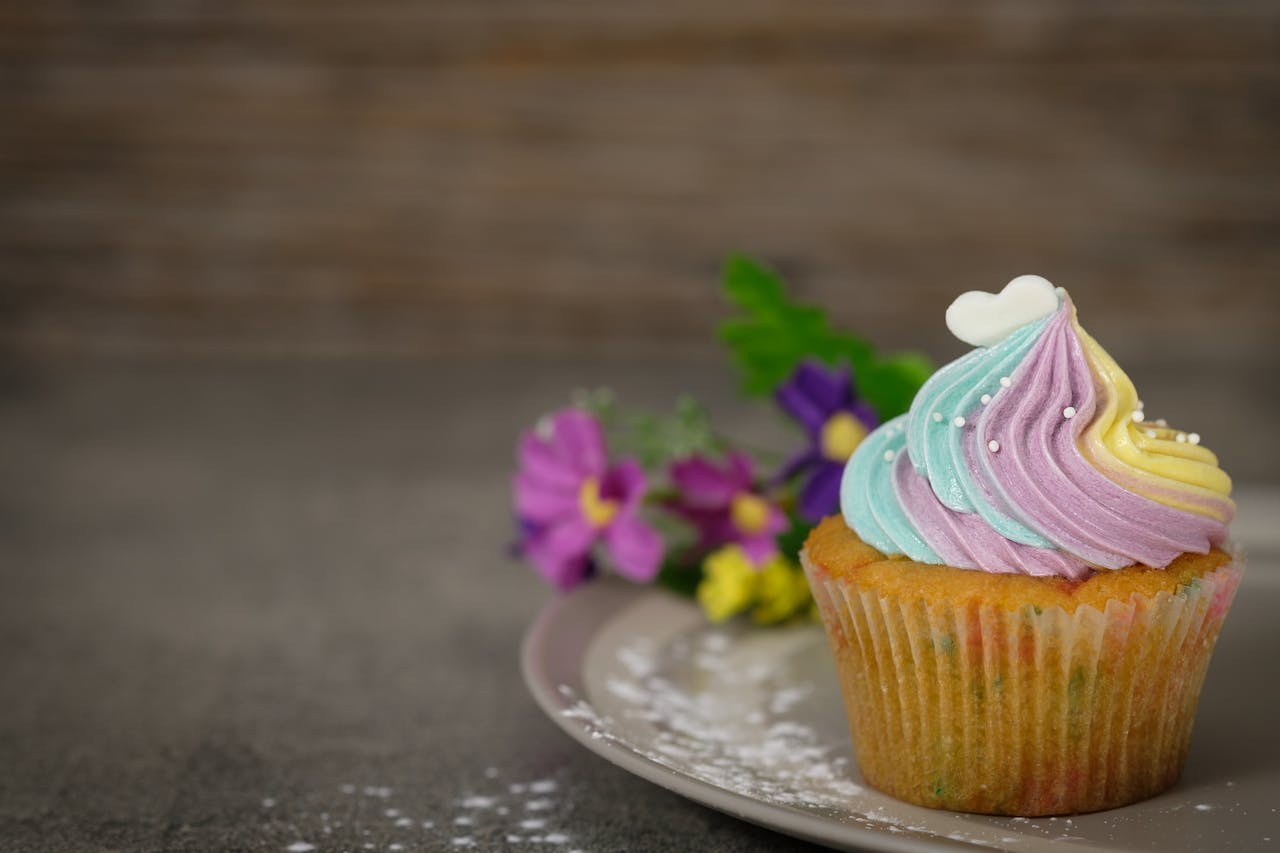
point(935, 446)
point(868, 499)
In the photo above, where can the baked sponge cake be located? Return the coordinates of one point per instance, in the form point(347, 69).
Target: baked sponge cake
point(1024, 588)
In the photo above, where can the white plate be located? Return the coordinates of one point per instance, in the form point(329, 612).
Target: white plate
point(749, 721)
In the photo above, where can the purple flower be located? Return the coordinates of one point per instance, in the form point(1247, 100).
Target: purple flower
point(568, 497)
point(723, 505)
point(825, 402)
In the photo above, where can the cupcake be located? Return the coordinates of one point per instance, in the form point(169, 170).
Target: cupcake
point(1025, 586)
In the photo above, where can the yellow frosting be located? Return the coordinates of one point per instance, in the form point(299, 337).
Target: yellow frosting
point(1176, 473)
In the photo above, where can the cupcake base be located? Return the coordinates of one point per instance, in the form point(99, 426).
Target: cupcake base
point(1017, 695)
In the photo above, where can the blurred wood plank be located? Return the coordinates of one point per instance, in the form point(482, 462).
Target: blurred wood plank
point(564, 177)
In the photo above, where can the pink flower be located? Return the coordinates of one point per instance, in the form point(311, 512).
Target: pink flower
point(723, 505)
point(568, 497)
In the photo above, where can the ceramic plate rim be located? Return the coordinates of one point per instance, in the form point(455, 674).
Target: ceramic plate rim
point(613, 597)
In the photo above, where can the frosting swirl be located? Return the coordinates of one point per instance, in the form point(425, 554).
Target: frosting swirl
point(1032, 455)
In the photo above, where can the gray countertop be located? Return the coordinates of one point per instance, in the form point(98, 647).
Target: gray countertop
point(255, 606)
point(264, 605)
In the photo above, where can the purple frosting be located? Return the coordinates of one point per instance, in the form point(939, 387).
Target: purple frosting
point(1037, 475)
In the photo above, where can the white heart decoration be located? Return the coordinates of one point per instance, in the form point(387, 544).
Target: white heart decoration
point(982, 319)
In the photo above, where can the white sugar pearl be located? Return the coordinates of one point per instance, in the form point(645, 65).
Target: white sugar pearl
point(1181, 438)
point(1194, 438)
point(1069, 412)
point(986, 398)
point(1138, 416)
point(937, 416)
point(993, 445)
point(888, 456)
point(1005, 381)
point(1161, 422)
point(1151, 433)
point(959, 421)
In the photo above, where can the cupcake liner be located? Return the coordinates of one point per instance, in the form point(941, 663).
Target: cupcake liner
point(1022, 712)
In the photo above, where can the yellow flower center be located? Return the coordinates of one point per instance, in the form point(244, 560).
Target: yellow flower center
point(749, 513)
point(841, 435)
point(598, 511)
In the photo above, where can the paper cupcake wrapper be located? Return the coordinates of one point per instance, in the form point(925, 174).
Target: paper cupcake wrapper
point(1026, 712)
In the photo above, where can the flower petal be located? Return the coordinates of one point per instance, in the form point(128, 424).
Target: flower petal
point(728, 583)
point(795, 465)
point(864, 412)
point(541, 503)
point(625, 483)
point(559, 552)
point(813, 392)
point(777, 522)
point(829, 388)
point(782, 592)
point(759, 548)
point(741, 471)
point(820, 496)
point(635, 547)
point(578, 441)
point(714, 526)
point(701, 483)
point(792, 399)
point(540, 461)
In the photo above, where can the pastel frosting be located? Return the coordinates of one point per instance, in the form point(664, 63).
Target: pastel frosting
point(1032, 455)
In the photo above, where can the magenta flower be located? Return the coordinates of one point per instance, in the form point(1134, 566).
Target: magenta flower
point(825, 402)
point(568, 497)
point(723, 505)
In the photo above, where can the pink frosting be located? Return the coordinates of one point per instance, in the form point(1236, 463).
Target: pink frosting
point(1020, 460)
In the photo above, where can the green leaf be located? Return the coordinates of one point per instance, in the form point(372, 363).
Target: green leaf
point(751, 285)
point(774, 334)
point(601, 403)
point(891, 384)
point(680, 576)
point(657, 439)
point(792, 539)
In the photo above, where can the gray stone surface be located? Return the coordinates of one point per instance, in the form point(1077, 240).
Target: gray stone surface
point(229, 590)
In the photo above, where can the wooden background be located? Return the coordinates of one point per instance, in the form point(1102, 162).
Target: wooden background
point(312, 177)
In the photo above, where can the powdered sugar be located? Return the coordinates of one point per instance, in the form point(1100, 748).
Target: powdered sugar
point(738, 736)
point(488, 813)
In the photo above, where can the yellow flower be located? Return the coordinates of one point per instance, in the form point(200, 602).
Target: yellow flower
point(781, 593)
point(729, 583)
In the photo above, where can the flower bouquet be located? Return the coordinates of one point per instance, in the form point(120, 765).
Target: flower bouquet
point(669, 500)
